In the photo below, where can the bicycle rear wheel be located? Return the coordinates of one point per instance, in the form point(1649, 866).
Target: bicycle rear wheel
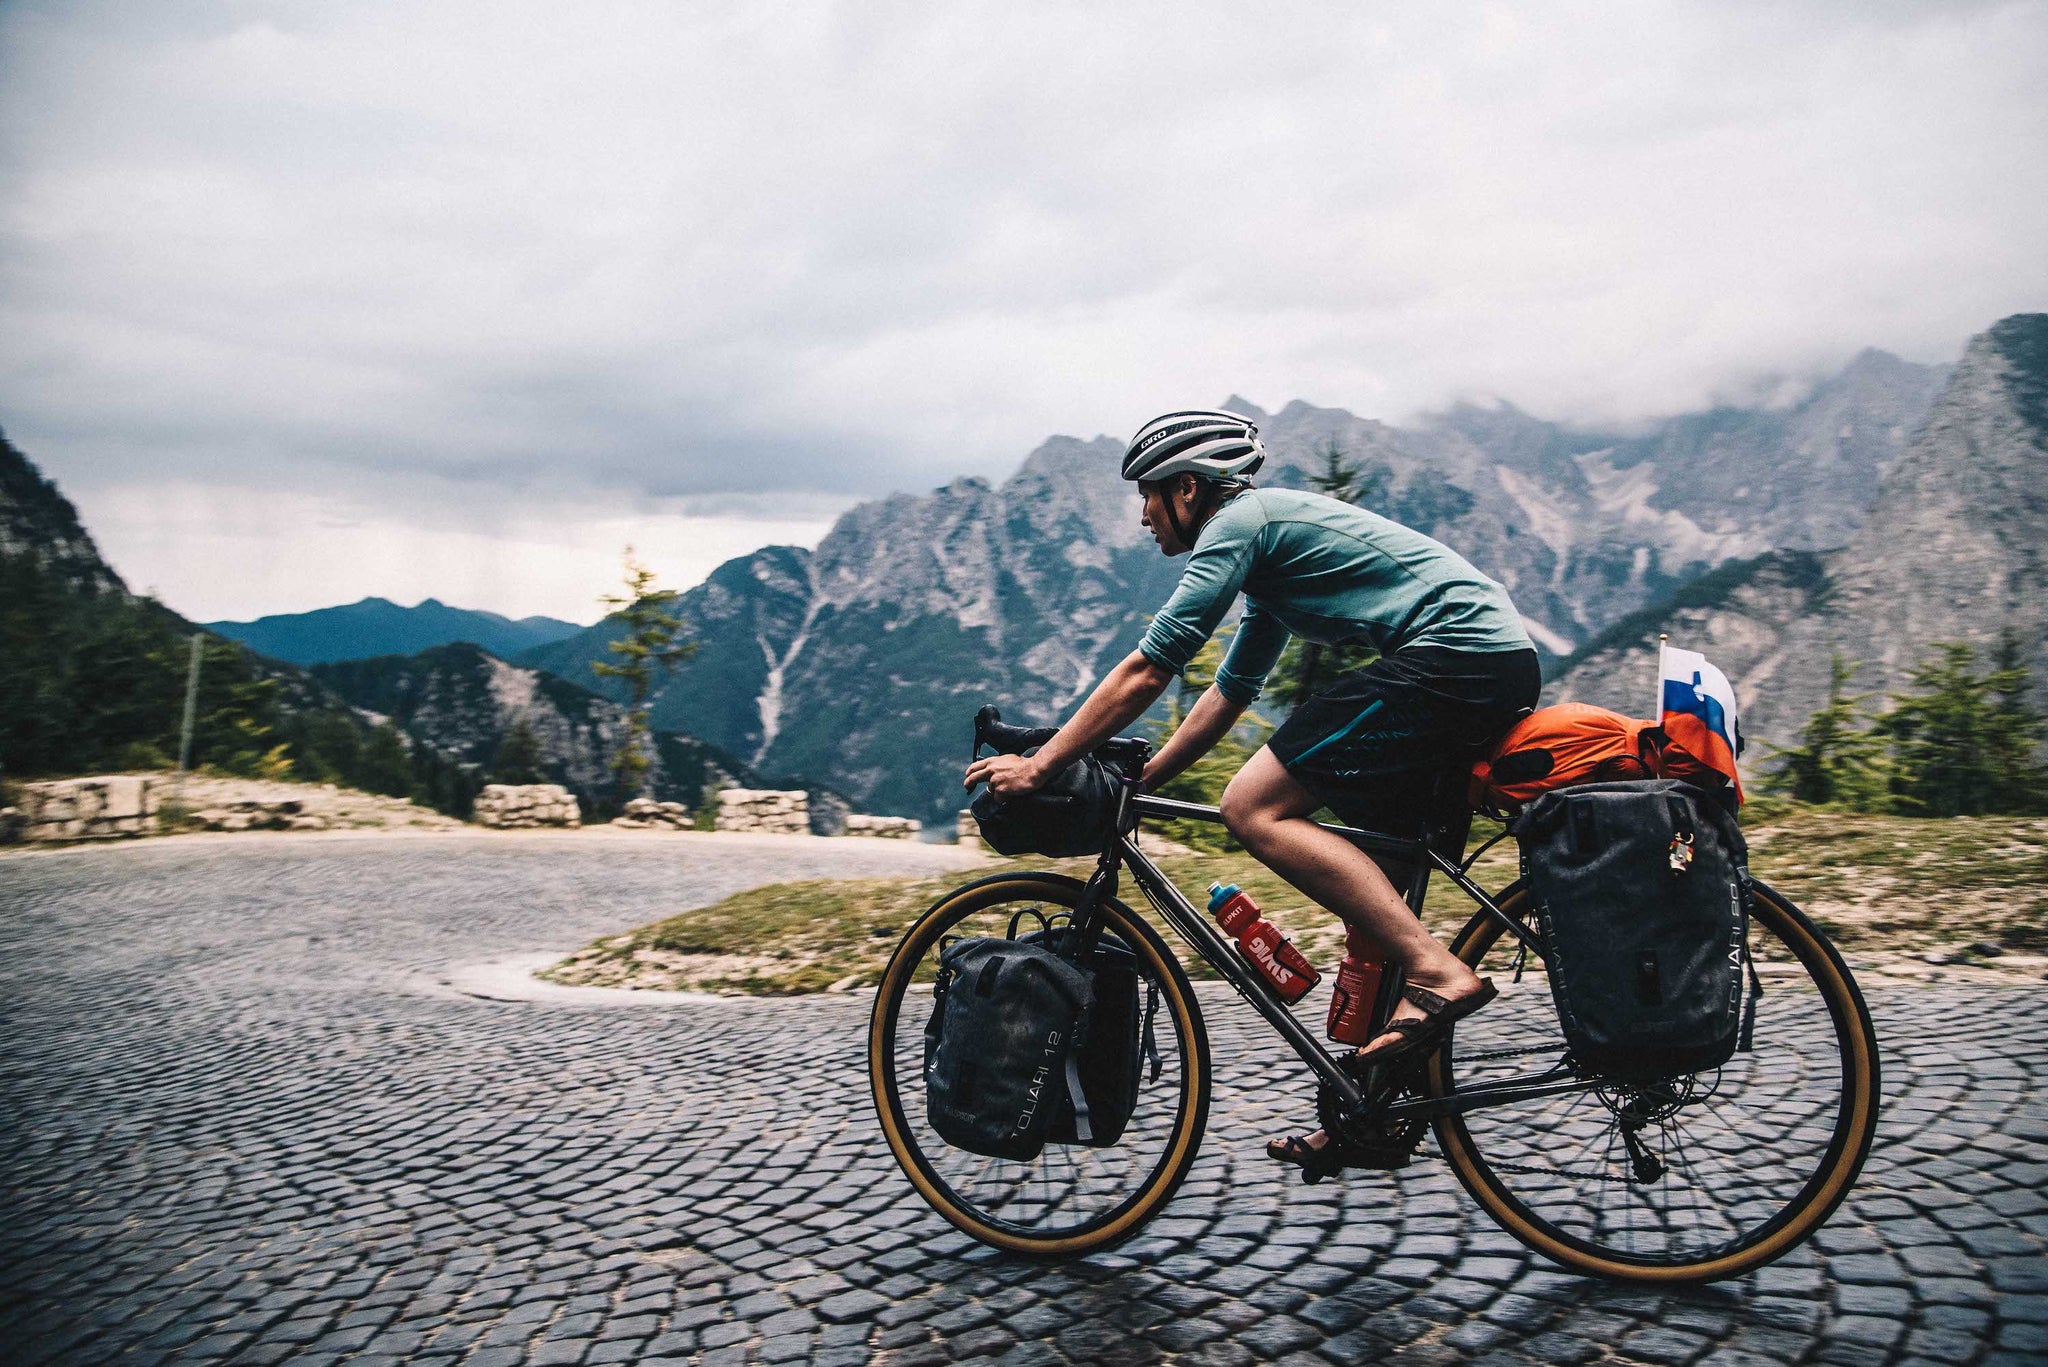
point(1071, 1199)
point(1743, 1162)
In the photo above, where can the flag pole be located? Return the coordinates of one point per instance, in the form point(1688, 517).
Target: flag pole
point(1657, 704)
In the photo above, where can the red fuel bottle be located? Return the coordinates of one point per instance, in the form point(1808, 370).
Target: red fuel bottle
point(1358, 982)
point(1260, 941)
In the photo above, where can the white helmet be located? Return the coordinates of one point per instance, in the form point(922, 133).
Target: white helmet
point(1205, 442)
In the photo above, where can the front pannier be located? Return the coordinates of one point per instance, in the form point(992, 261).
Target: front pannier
point(1067, 817)
point(999, 1046)
point(1111, 1060)
point(1641, 892)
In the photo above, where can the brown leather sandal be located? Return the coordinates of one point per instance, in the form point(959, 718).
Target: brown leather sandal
point(1315, 1163)
point(1439, 1014)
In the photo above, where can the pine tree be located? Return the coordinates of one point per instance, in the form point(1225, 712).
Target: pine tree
point(1840, 758)
point(2020, 783)
point(649, 647)
point(1963, 743)
point(519, 758)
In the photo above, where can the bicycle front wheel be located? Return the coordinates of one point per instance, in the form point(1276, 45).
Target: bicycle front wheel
point(1693, 1178)
point(1072, 1199)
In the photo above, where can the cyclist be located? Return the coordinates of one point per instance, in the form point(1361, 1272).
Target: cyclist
point(1378, 746)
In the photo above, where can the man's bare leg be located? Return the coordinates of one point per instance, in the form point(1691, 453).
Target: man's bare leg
point(1268, 811)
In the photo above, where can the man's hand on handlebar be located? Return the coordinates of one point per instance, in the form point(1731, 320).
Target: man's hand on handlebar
point(1007, 775)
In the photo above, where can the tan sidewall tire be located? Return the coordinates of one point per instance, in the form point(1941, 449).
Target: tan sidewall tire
point(1179, 999)
point(1860, 1081)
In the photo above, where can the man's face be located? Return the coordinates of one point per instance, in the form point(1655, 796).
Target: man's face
point(1154, 496)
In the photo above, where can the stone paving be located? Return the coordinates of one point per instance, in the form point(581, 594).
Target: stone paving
point(242, 1120)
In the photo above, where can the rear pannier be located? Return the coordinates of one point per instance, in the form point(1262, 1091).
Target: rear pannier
point(1641, 893)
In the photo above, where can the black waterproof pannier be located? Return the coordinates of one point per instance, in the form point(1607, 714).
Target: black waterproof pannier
point(1641, 891)
point(1112, 1057)
point(1069, 816)
point(1000, 1045)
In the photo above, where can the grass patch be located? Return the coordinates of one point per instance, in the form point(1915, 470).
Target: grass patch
point(1878, 884)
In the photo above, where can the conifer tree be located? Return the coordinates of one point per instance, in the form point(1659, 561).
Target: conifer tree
point(519, 758)
point(649, 648)
point(1840, 758)
point(1963, 744)
point(2021, 781)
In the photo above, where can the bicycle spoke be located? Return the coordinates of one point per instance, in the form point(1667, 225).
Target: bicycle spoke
point(1672, 1173)
point(1068, 1189)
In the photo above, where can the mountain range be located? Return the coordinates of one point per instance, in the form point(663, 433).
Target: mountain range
point(378, 626)
point(1892, 505)
point(860, 662)
point(465, 702)
point(1955, 548)
point(92, 675)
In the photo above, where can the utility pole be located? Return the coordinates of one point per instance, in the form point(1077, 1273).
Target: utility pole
point(191, 707)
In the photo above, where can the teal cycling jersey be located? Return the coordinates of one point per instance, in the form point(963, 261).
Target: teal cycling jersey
point(1327, 572)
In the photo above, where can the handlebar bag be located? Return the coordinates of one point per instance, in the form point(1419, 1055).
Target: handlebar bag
point(1641, 891)
point(1000, 1046)
point(1069, 816)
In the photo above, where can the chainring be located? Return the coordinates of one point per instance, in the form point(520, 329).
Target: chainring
point(1369, 1142)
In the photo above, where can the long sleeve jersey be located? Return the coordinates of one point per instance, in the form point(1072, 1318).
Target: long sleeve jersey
point(1327, 572)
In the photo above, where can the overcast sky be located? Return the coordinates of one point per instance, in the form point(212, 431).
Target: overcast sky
point(305, 302)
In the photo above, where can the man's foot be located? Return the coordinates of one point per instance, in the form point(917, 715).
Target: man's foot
point(1314, 1154)
point(1425, 1016)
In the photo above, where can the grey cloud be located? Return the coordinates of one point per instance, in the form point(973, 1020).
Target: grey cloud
point(848, 249)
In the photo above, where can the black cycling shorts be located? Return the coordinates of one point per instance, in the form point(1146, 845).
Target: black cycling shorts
point(1386, 747)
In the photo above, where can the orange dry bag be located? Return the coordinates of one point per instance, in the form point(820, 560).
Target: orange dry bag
point(1555, 747)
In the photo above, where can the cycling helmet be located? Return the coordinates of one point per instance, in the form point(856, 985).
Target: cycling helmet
point(1205, 442)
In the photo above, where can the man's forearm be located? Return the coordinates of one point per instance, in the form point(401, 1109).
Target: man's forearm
point(1120, 699)
point(1212, 716)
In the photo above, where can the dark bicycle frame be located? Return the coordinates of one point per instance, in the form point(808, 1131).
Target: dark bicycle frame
point(1416, 853)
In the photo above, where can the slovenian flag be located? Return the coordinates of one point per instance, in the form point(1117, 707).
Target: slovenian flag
point(1697, 708)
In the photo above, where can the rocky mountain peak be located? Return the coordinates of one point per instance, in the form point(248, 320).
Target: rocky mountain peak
point(38, 522)
point(1954, 548)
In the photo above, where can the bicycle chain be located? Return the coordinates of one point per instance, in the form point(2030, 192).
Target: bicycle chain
point(1529, 1170)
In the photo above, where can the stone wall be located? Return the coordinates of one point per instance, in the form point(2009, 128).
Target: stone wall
point(510, 806)
point(970, 831)
point(645, 814)
point(764, 811)
point(90, 808)
point(263, 814)
point(883, 827)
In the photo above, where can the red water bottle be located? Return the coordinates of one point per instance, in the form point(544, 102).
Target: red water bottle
point(1260, 941)
point(1358, 982)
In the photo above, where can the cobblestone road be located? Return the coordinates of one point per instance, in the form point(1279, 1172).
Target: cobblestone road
point(243, 1122)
